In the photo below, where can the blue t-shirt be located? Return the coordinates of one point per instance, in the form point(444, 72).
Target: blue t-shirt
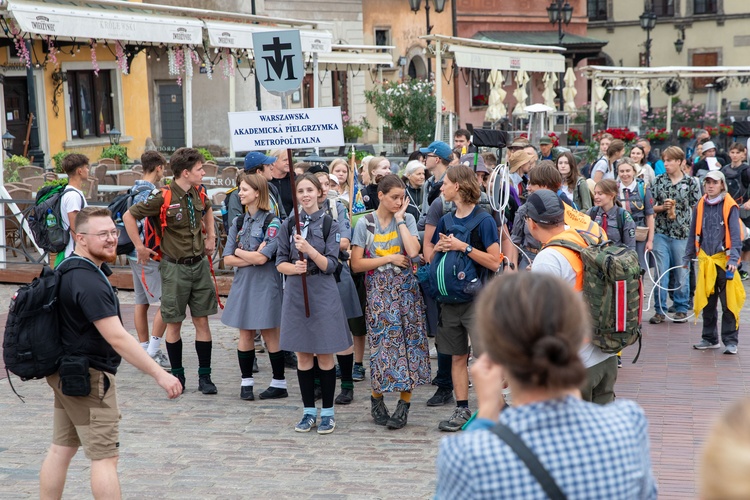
point(487, 228)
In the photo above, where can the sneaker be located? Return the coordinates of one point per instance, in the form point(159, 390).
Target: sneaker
point(657, 318)
point(358, 373)
point(259, 347)
point(290, 360)
point(619, 362)
point(680, 318)
point(246, 393)
point(345, 398)
point(442, 396)
point(255, 366)
point(672, 309)
point(306, 424)
point(318, 393)
point(338, 373)
point(705, 344)
point(458, 419)
point(273, 393)
point(181, 378)
point(433, 353)
point(400, 416)
point(744, 276)
point(379, 411)
point(730, 349)
point(161, 359)
point(205, 385)
point(327, 424)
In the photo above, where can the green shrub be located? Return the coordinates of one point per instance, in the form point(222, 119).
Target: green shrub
point(58, 159)
point(11, 165)
point(206, 154)
point(117, 152)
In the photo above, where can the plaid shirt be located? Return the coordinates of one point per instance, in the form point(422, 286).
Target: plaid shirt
point(685, 194)
point(591, 451)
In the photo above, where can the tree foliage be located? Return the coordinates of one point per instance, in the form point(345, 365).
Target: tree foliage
point(407, 107)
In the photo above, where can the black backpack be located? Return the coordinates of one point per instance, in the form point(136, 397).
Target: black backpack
point(32, 346)
point(735, 187)
point(45, 219)
point(118, 206)
point(225, 208)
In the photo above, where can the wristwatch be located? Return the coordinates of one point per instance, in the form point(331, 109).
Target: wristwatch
point(468, 250)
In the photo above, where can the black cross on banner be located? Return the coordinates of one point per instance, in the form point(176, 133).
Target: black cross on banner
point(279, 60)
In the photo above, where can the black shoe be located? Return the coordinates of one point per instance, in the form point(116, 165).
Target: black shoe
point(181, 378)
point(434, 381)
point(273, 393)
point(345, 398)
point(318, 393)
point(442, 396)
point(379, 411)
point(246, 393)
point(399, 417)
point(255, 366)
point(290, 360)
point(205, 385)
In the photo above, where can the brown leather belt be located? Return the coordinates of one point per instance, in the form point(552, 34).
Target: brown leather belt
point(187, 261)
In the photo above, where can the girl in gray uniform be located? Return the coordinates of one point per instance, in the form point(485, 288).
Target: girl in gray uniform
point(254, 301)
point(611, 217)
point(635, 197)
point(324, 332)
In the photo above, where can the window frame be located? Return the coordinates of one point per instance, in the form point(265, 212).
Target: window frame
point(100, 85)
point(482, 87)
point(116, 93)
point(387, 31)
point(663, 8)
point(706, 7)
point(602, 5)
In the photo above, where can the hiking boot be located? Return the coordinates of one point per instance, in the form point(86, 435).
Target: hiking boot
point(730, 349)
point(327, 424)
point(442, 396)
point(306, 424)
point(205, 385)
point(181, 378)
point(246, 393)
point(458, 419)
point(255, 366)
point(379, 411)
point(345, 398)
point(657, 318)
point(273, 393)
point(680, 318)
point(161, 359)
point(672, 309)
point(705, 344)
point(358, 373)
point(290, 360)
point(400, 416)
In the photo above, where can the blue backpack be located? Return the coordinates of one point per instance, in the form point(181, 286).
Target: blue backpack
point(453, 277)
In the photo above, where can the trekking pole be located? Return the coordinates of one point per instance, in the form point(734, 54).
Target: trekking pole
point(297, 227)
point(350, 180)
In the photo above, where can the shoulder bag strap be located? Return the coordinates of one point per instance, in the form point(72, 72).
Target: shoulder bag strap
point(536, 468)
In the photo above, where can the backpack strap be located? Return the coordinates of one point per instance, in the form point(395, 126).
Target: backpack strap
point(370, 225)
point(641, 184)
point(531, 461)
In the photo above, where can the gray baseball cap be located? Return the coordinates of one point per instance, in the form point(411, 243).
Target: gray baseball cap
point(545, 207)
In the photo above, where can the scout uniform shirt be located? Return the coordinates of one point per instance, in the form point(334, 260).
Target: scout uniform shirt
point(183, 235)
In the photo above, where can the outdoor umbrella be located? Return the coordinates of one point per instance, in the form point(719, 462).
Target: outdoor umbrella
point(600, 91)
point(569, 92)
point(643, 87)
point(550, 80)
point(496, 109)
point(520, 93)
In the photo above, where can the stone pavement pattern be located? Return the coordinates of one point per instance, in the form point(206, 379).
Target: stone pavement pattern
point(221, 447)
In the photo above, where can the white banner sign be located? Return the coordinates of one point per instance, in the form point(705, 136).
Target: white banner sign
point(286, 129)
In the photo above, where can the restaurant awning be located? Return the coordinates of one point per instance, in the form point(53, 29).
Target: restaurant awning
point(355, 57)
point(68, 21)
point(240, 36)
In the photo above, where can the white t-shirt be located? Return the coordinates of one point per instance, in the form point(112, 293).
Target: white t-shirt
point(603, 166)
point(71, 202)
point(550, 261)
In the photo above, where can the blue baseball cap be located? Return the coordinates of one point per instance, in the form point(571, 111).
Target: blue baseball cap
point(438, 148)
point(256, 159)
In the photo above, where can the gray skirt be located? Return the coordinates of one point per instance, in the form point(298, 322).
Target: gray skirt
point(326, 330)
point(348, 293)
point(254, 301)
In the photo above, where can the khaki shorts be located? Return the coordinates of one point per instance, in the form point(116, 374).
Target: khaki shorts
point(184, 286)
point(454, 329)
point(91, 421)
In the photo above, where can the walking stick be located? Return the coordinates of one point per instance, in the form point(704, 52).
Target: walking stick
point(299, 231)
point(350, 180)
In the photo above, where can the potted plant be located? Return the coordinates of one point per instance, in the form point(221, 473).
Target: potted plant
point(117, 152)
point(206, 154)
point(575, 137)
point(11, 165)
point(657, 136)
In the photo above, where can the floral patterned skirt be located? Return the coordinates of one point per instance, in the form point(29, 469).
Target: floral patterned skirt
point(397, 330)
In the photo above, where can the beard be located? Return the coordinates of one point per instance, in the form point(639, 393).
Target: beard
point(107, 253)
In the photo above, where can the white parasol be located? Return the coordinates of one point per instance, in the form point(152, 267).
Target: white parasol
point(643, 87)
point(550, 80)
point(600, 91)
point(569, 92)
point(495, 107)
point(520, 93)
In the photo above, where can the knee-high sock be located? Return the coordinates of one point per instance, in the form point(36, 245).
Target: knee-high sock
point(246, 359)
point(346, 362)
point(328, 386)
point(203, 350)
point(307, 387)
point(174, 351)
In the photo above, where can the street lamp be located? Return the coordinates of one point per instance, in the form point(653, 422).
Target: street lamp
point(559, 14)
point(114, 137)
point(648, 22)
point(439, 7)
point(8, 139)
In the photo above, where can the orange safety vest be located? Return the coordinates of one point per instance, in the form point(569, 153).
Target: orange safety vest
point(728, 204)
point(573, 257)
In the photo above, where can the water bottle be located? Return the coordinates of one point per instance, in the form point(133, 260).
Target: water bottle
point(51, 219)
point(118, 220)
point(730, 275)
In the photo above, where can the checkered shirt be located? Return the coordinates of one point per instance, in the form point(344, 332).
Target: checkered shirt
point(592, 452)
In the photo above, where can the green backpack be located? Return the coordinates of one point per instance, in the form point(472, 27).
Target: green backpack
point(613, 290)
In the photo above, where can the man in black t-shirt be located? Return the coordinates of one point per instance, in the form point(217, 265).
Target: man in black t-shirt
point(91, 328)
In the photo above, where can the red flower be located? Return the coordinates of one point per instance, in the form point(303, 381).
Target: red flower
point(575, 136)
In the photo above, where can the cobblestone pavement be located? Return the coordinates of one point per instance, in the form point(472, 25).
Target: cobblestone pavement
point(221, 447)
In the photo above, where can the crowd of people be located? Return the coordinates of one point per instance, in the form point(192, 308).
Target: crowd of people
point(393, 257)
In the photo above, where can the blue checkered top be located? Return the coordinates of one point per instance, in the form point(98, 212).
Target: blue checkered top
point(591, 451)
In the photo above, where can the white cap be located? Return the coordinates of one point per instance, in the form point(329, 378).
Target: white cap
point(717, 176)
point(708, 145)
point(334, 179)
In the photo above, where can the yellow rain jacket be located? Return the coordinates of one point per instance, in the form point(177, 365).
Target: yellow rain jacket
point(707, 280)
